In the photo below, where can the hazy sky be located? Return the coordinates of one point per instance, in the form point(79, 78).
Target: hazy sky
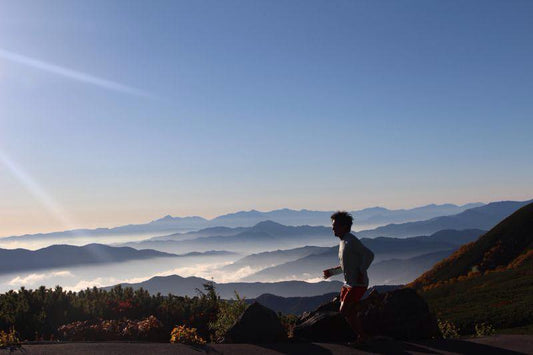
point(115, 112)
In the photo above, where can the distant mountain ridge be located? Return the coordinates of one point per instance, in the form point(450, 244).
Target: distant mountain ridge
point(484, 217)
point(264, 236)
point(403, 259)
point(187, 286)
point(169, 224)
point(12, 260)
point(299, 305)
point(271, 258)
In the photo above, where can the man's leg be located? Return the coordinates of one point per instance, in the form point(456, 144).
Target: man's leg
point(349, 309)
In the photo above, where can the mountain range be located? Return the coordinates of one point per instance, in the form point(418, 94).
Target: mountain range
point(270, 235)
point(272, 258)
point(188, 286)
point(299, 305)
point(168, 224)
point(264, 236)
point(396, 260)
point(12, 260)
point(364, 217)
point(484, 217)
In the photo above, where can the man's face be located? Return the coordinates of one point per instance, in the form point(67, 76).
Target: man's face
point(339, 230)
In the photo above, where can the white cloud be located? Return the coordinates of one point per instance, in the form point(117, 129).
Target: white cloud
point(63, 273)
point(32, 279)
point(97, 282)
point(210, 272)
point(315, 280)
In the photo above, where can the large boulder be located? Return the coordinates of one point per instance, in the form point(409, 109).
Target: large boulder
point(399, 314)
point(324, 326)
point(257, 324)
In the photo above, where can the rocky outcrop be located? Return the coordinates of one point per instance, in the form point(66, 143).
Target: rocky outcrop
point(324, 327)
point(257, 324)
point(399, 314)
point(325, 324)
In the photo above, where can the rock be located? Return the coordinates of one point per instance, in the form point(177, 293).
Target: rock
point(331, 306)
point(399, 314)
point(257, 324)
point(324, 326)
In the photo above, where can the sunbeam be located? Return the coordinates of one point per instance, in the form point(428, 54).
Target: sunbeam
point(72, 74)
point(36, 190)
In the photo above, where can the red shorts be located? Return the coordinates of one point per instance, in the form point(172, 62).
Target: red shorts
point(352, 295)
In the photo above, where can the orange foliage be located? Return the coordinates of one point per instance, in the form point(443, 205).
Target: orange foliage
point(492, 256)
point(427, 279)
point(521, 259)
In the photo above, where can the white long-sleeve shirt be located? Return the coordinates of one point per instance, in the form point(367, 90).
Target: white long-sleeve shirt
point(355, 259)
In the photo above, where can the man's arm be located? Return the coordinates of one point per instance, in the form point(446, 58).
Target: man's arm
point(333, 271)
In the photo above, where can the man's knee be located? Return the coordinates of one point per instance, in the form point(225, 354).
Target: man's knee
point(346, 309)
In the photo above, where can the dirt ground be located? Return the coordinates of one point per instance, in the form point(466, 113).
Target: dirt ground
point(500, 344)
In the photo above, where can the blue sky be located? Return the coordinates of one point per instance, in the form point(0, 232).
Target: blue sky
point(117, 112)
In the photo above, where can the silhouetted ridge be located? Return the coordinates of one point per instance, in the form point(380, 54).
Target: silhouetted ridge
point(510, 239)
point(68, 255)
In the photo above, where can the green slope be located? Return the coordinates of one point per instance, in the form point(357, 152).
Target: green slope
point(495, 249)
point(489, 280)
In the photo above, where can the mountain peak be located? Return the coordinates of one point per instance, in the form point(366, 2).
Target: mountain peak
point(167, 218)
point(268, 224)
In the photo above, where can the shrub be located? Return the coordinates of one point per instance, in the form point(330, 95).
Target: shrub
point(484, 329)
point(448, 329)
point(149, 329)
point(182, 334)
point(227, 315)
point(37, 314)
point(288, 321)
point(9, 339)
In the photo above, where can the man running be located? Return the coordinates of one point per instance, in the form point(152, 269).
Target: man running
point(354, 259)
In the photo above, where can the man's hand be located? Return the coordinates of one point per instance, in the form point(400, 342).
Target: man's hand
point(333, 271)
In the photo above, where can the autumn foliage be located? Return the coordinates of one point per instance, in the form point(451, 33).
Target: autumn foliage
point(507, 245)
point(120, 313)
point(148, 329)
point(487, 283)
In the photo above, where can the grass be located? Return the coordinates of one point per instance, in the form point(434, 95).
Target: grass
point(526, 330)
point(502, 299)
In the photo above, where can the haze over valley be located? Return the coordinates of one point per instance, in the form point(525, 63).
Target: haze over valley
point(258, 250)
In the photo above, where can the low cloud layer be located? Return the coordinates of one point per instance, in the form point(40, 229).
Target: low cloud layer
point(32, 279)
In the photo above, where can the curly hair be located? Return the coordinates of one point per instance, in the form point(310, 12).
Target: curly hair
point(343, 218)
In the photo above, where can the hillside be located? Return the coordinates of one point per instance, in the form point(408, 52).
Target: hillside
point(67, 255)
point(489, 280)
point(497, 248)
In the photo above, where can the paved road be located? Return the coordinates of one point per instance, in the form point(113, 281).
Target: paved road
point(500, 344)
